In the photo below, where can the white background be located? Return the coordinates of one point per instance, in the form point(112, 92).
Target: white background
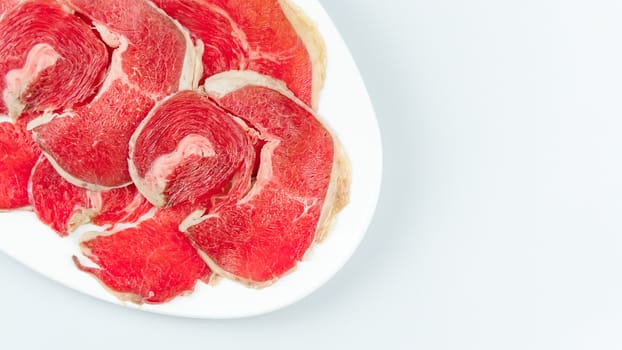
point(499, 222)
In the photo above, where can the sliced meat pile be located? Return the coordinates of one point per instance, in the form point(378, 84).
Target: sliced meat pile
point(183, 132)
point(300, 184)
point(89, 144)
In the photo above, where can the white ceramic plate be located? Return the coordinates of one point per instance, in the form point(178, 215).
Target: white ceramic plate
point(346, 108)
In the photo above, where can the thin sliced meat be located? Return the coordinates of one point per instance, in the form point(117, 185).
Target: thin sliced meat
point(18, 155)
point(143, 33)
point(47, 67)
point(150, 263)
point(272, 37)
point(64, 207)
point(226, 46)
point(303, 180)
point(89, 146)
point(187, 150)
point(153, 58)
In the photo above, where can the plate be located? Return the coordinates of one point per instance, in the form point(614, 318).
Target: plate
point(346, 108)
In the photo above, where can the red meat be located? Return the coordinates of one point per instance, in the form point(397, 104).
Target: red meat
point(45, 66)
point(150, 263)
point(271, 37)
point(153, 57)
point(64, 207)
point(18, 155)
point(189, 149)
point(302, 182)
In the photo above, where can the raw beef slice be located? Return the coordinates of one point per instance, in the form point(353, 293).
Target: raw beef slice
point(187, 150)
point(303, 180)
point(44, 66)
point(64, 207)
point(272, 37)
point(152, 262)
point(18, 155)
point(153, 57)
